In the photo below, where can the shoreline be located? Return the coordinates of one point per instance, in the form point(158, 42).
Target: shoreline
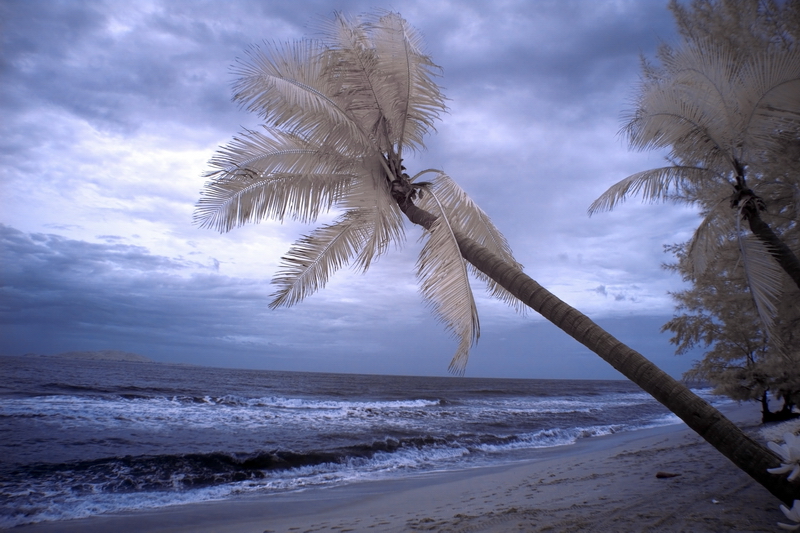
point(601, 484)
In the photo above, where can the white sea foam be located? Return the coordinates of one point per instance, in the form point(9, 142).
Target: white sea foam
point(196, 435)
point(161, 413)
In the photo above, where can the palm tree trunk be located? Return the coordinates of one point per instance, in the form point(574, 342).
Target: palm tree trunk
point(782, 253)
point(704, 419)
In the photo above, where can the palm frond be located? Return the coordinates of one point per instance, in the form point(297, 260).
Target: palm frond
point(311, 261)
point(229, 203)
point(291, 87)
point(412, 100)
point(383, 218)
point(764, 278)
point(467, 218)
point(671, 117)
point(259, 176)
point(654, 185)
point(386, 80)
point(690, 108)
point(717, 226)
point(708, 108)
point(338, 114)
point(444, 284)
point(256, 152)
point(706, 66)
point(361, 75)
point(772, 102)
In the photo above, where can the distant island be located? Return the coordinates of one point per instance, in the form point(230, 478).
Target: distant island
point(101, 355)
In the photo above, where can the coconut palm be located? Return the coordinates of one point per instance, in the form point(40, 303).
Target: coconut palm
point(338, 116)
point(722, 115)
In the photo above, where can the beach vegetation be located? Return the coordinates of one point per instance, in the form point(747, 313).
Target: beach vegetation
point(339, 114)
point(724, 106)
point(718, 314)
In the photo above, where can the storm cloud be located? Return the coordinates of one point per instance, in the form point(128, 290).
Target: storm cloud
point(112, 110)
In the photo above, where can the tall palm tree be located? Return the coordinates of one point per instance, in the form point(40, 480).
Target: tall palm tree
point(722, 114)
point(338, 115)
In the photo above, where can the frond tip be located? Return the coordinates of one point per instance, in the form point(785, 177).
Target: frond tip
point(311, 261)
point(764, 278)
point(444, 284)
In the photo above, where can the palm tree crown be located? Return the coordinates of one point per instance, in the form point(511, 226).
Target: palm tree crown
point(338, 114)
point(716, 116)
point(722, 115)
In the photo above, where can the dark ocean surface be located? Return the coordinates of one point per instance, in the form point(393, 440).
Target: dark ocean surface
point(81, 438)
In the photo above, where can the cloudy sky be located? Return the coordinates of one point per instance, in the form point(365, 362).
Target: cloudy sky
point(112, 109)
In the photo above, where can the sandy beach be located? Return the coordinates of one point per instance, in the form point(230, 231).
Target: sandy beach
point(605, 484)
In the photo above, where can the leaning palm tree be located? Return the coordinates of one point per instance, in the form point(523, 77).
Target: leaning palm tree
point(723, 115)
point(339, 114)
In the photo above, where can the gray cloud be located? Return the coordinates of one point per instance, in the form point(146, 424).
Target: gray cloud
point(59, 293)
point(112, 109)
point(116, 64)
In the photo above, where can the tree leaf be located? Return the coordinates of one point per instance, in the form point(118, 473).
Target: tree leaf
point(467, 218)
point(259, 176)
point(764, 278)
point(713, 230)
point(444, 284)
point(656, 184)
point(310, 262)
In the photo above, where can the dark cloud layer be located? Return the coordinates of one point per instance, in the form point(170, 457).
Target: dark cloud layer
point(60, 294)
point(77, 287)
point(63, 294)
point(116, 64)
point(75, 59)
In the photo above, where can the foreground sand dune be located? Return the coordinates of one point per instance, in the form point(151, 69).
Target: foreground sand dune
point(605, 484)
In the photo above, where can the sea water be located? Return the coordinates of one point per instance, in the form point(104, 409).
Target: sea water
point(80, 438)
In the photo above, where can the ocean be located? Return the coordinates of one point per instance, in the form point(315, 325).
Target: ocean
point(81, 438)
